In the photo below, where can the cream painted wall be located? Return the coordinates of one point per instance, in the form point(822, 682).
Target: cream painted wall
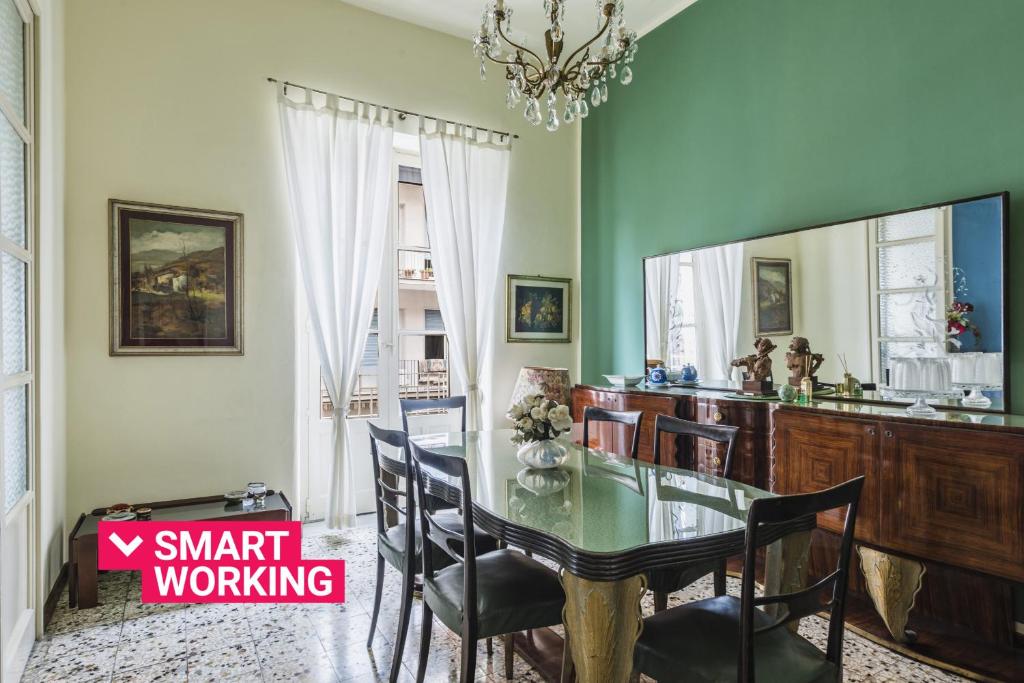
point(168, 102)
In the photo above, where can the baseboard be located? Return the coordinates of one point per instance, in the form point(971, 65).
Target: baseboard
point(50, 606)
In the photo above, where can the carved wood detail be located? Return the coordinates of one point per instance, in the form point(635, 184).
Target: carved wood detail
point(605, 620)
point(893, 584)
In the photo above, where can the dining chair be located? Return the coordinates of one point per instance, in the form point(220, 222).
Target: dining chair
point(480, 595)
point(728, 638)
point(595, 414)
point(415, 405)
point(400, 544)
point(667, 580)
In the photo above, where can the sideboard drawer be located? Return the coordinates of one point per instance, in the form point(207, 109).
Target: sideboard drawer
point(751, 444)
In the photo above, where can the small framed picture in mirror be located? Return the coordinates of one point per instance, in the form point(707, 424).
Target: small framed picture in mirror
point(772, 292)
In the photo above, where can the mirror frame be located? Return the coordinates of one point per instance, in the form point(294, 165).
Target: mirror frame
point(1005, 197)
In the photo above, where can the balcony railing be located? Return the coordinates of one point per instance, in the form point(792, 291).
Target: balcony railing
point(416, 379)
point(414, 264)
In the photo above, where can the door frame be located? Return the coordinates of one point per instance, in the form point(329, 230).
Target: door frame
point(15, 651)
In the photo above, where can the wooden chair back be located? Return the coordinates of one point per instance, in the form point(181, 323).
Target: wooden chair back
point(828, 594)
point(633, 419)
point(723, 434)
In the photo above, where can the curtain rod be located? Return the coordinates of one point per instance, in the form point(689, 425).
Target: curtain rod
point(402, 114)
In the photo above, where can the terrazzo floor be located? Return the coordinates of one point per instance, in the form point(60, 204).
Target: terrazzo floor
point(124, 640)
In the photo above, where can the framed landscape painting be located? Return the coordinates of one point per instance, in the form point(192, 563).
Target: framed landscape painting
point(538, 309)
point(773, 296)
point(175, 280)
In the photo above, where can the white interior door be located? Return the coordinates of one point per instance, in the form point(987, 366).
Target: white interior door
point(17, 296)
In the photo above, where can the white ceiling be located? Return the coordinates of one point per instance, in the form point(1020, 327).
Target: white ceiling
point(462, 17)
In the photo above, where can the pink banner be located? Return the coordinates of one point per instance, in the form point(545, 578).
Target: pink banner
point(234, 561)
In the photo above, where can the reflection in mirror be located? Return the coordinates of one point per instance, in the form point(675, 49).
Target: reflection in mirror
point(911, 302)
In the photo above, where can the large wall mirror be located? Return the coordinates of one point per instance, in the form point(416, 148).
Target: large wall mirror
point(911, 303)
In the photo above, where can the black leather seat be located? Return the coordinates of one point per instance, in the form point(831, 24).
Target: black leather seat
point(667, 652)
point(727, 639)
point(392, 543)
point(511, 590)
point(481, 595)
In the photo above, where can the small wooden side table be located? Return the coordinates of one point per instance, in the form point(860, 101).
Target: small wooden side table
point(82, 543)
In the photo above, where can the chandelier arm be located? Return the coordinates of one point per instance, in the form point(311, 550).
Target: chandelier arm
point(584, 46)
point(504, 62)
point(522, 48)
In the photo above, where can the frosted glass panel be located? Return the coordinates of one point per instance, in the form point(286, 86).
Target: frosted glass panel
point(910, 314)
point(15, 445)
point(12, 183)
point(904, 226)
point(15, 337)
point(907, 265)
point(12, 57)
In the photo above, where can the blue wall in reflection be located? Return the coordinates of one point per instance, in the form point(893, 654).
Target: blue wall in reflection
point(978, 253)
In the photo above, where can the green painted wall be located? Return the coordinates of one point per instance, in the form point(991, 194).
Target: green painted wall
point(748, 117)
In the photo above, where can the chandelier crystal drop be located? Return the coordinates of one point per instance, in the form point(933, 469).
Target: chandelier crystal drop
point(534, 78)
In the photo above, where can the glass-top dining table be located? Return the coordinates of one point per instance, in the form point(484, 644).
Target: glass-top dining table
point(606, 520)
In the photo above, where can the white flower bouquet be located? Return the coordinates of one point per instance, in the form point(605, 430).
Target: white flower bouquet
point(536, 418)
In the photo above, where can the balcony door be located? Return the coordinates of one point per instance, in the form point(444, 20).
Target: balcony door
point(406, 352)
point(17, 323)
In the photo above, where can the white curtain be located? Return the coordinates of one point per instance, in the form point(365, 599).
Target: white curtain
point(465, 182)
point(338, 165)
point(662, 276)
point(718, 278)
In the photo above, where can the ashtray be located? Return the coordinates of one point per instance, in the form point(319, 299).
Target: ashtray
point(236, 496)
point(122, 516)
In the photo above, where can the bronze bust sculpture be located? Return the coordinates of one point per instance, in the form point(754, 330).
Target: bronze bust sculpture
point(800, 361)
point(757, 366)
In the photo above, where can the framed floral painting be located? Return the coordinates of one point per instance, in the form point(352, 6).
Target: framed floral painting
point(538, 309)
point(175, 280)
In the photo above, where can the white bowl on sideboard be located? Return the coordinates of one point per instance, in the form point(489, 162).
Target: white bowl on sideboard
point(624, 380)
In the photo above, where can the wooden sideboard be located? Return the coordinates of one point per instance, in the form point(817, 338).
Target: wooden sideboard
point(941, 522)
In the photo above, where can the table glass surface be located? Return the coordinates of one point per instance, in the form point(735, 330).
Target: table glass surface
point(597, 501)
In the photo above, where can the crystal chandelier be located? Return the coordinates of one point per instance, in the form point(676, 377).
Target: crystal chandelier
point(584, 73)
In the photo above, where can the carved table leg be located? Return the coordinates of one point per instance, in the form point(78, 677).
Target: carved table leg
point(893, 583)
point(785, 568)
point(604, 620)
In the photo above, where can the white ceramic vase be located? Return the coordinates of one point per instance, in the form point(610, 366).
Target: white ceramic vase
point(542, 455)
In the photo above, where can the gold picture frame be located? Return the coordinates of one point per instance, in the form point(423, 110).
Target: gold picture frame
point(175, 280)
point(538, 309)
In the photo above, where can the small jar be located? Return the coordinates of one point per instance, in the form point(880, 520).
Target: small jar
point(806, 390)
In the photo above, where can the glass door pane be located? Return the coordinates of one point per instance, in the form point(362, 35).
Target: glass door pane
point(15, 314)
point(15, 445)
point(12, 58)
point(12, 183)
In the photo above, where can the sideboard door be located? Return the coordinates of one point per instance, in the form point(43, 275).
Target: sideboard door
point(815, 452)
point(617, 438)
point(954, 496)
